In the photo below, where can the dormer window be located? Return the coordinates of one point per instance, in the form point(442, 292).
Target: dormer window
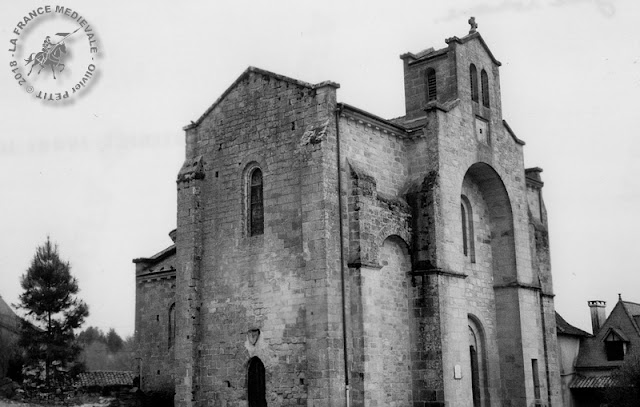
point(615, 345)
point(473, 76)
point(485, 88)
point(431, 85)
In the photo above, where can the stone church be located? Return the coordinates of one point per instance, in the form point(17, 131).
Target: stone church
point(325, 256)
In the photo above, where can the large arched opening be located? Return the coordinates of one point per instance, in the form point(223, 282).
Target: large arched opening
point(492, 281)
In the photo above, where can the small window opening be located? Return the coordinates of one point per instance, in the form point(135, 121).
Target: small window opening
point(157, 318)
point(256, 208)
point(536, 378)
point(473, 75)
point(431, 85)
point(615, 347)
point(485, 88)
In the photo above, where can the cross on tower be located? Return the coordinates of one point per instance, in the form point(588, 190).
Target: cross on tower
point(473, 24)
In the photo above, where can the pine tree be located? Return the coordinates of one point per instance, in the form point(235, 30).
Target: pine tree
point(49, 301)
point(114, 341)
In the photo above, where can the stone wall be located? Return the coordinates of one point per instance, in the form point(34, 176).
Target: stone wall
point(155, 294)
point(273, 283)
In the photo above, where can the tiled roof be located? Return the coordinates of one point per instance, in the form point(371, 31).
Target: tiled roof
point(565, 328)
point(104, 379)
point(8, 319)
point(632, 307)
point(592, 382)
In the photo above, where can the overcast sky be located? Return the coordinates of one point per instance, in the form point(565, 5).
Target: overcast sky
point(97, 172)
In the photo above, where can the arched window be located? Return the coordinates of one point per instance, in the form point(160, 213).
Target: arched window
point(465, 247)
point(466, 215)
point(256, 390)
point(485, 88)
point(431, 85)
point(255, 204)
point(478, 364)
point(473, 75)
point(475, 368)
point(172, 325)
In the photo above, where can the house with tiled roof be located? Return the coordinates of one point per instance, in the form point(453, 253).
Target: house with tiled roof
point(105, 380)
point(569, 338)
point(614, 338)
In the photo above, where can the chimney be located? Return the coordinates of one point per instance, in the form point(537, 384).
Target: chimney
point(598, 314)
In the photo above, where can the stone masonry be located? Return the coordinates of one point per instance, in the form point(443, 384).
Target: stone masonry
point(400, 262)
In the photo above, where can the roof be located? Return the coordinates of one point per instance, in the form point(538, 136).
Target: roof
point(632, 309)
point(622, 321)
point(158, 257)
point(512, 134)
point(591, 382)
point(565, 328)
point(5, 309)
point(104, 379)
point(253, 69)
point(8, 319)
point(617, 332)
point(431, 53)
point(386, 125)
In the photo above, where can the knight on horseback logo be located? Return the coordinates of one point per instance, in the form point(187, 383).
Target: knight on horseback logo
point(51, 54)
point(63, 43)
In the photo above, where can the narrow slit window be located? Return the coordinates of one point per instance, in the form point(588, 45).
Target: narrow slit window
point(473, 76)
point(465, 248)
point(256, 205)
point(466, 218)
point(432, 88)
point(485, 88)
point(172, 325)
point(536, 378)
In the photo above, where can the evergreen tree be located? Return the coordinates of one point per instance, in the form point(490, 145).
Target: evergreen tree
point(626, 389)
point(91, 334)
point(49, 301)
point(114, 341)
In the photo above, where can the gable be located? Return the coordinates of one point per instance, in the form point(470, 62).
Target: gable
point(620, 319)
point(477, 37)
point(242, 79)
point(619, 326)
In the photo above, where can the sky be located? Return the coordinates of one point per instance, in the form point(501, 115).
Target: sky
point(96, 171)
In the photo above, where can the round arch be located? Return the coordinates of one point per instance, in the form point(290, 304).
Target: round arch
point(495, 195)
point(256, 386)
